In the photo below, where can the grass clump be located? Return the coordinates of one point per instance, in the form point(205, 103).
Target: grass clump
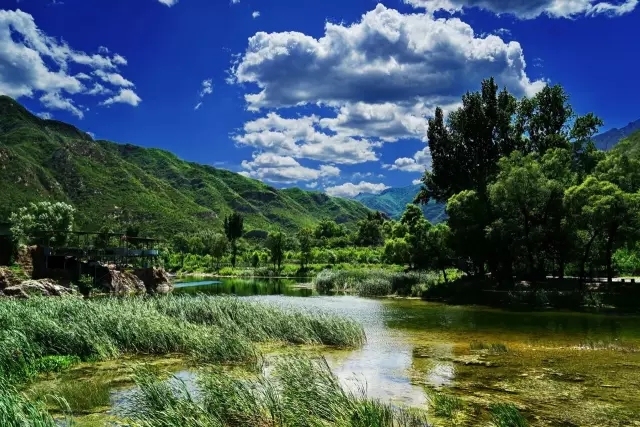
point(213, 329)
point(18, 411)
point(445, 405)
point(507, 415)
point(300, 392)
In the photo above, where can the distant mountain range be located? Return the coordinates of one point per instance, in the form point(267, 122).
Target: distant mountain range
point(393, 202)
point(606, 140)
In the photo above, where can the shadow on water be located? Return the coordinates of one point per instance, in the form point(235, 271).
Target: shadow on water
point(559, 368)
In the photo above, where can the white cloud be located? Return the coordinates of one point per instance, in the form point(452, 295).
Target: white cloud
point(207, 87)
point(387, 57)
point(235, 1)
point(198, 105)
point(312, 185)
point(284, 169)
point(45, 115)
point(417, 181)
point(168, 2)
point(54, 101)
point(255, 14)
point(98, 89)
point(126, 96)
point(350, 189)
point(35, 64)
point(113, 78)
point(533, 8)
point(359, 175)
point(301, 138)
point(418, 163)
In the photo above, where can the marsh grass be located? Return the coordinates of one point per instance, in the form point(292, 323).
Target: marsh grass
point(300, 392)
point(211, 329)
point(18, 411)
point(445, 405)
point(495, 348)
point(507, 415)
point(79, 396)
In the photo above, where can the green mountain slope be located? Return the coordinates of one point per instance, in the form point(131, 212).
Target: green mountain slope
point(607, 140)
point(629, 145)
point(47, 159)
point(394, 200)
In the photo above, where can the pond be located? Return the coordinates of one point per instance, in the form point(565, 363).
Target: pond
point(560, 369)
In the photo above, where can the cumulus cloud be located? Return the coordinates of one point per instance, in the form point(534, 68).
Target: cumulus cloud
point(35, 64)
point(416, 181)
point(255, 14)
point(45, 115)
point(284, 169)
point(376, 81)
point(113, 78)
point(125, 96)
point(350, 189)
point(418, 163)
point(206, 89)
point(302, 137)
point(532, 8)
point(168, 2)
point(386, 57)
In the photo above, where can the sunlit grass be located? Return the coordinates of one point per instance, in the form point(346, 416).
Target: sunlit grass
point(507, 415)
point(445, 405)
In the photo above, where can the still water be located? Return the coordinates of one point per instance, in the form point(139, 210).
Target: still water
point(561, 369)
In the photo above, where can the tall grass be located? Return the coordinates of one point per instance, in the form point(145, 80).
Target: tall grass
point(372, 283)
point(213, 329)
point(17, 411)
point(300, 392)
point(507, 415)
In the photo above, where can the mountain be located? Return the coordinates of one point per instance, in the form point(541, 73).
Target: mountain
point(393, 201)
point(606, 140)
point(629, 146)
point(47, 159)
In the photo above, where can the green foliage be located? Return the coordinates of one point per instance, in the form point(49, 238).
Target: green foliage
point(48, 160)
point(43, 222)
point(17, 411)
point(306, 246)
point(445, 405)
point(300, 393)
point(507, 415)
point(393, 202)
point(276, 244)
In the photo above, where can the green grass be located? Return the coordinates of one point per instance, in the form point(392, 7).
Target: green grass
point(80, 396)
point(379, 282)
point(211, 329)
point(445, 405)
point(507, 415)
point(299, 392)
point(18, 411)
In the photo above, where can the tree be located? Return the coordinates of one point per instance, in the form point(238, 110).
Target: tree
point(43, 223)
point(255, 260)
point(276, 242)
point(217, 247)
point(328, 229)
point(439, 247)
point(601, 209)
point(411, 216)
point(397, 251)
point(369, 232)
point(233, 229)
point(468, 216)
point(305, 236)
point(419, 244)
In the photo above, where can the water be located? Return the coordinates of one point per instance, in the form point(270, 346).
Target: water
point(560, 368)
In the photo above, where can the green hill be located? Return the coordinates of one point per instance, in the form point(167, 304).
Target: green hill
point(47, 159)
point(629, 145)
point(393, 202)
point(607, 140)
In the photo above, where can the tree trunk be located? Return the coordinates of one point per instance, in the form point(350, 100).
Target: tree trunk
point(444, 273)
point(587, 252)
point(609, 254)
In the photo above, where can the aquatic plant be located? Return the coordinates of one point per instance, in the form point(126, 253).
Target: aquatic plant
point(300, 392)
point(445, 405)
point(18, 411)
point(507, 415)
point(212, 329)
point(496, 348)
point(79, 396)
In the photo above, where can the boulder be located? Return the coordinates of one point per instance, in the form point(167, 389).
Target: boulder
point(7, 278)
point(155, 280)
point(41, 287)
point(122, 283)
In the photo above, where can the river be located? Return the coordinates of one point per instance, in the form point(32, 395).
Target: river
point(561, 369)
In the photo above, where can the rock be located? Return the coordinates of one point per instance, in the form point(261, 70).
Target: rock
point(156, 280)
point(7, 278)
point(122, 283)
point(41, 287)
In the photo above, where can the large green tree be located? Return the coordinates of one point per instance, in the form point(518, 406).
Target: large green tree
point(305, 241)
point(43, 223)
point(233, 229)
point(276, 243)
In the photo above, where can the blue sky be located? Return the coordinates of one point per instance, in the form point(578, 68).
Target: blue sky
point(332, 95)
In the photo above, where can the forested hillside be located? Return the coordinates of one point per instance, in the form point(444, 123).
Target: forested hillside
point(393, 202)
point(46, 159)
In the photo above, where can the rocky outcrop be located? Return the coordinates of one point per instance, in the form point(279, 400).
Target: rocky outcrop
point(7, 278)
point(41, 287)
point(118, 282)
point(156, 280)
